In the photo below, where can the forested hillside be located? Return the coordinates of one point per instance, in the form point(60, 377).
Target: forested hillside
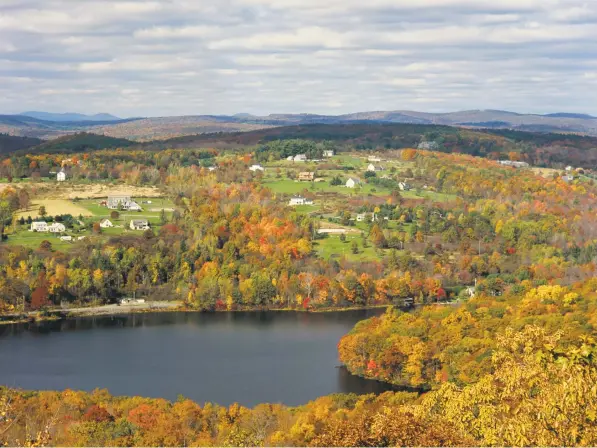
point(80, 142)
point(11, 143)
point(536, 148)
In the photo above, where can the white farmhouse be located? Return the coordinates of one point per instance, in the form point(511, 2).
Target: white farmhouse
point(374, 168)
point(61, 175)
point(299, 200)
point(105, 223)
point(134, 207)
point(57, 227)
point(39, 226)
point(352, 182)
point(116, 201)
point(300, 158)
point(363, 216)
point(403, 186)
point(328, 153)
point(256, 168)
point(123, 202)
point(139, 224)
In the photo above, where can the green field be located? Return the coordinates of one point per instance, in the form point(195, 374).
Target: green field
point(333, 247)
point(100, 211)
point(23, 237)
point(306, 209)
point(287, 186)
point(32, 240)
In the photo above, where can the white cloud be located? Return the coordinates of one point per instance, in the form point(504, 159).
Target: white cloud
point(164, 57)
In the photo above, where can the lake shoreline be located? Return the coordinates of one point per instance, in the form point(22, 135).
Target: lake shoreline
point(154, 307)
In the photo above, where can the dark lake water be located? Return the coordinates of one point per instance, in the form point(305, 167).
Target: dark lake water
point(249, 358)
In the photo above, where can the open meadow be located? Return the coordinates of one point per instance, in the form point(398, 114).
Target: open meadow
point(53, 207)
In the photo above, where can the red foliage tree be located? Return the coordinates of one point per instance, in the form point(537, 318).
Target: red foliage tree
point(97, 414)
point(39, 298)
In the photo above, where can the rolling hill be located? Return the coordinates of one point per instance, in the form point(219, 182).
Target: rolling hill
point(79, 142)
point(11, 143)
point(72, 117)
point(144, 129)
point(23, 125)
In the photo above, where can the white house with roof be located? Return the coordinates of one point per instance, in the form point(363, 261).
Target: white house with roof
point(106, 223)
point(256, 168)
point(404, 186)
point(61, 175)
point(123, 202)
point(300, 158)
point(39, 226)
point(115, 202)
point(139, 224)
point(363, 216)
point(57, 227)
point(374, 168)
point(328, 153)
point(352, 182)
point(300, 200)
point(568, 178)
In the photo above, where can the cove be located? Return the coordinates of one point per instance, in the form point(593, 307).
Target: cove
point(244, 357)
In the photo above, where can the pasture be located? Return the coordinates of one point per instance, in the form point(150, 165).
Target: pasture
point(333, 247)
point(53, 207)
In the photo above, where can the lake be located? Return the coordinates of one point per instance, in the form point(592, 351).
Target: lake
point(244, 357)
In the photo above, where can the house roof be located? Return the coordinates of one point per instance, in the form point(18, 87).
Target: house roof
point(139, 222)
point(354, 179)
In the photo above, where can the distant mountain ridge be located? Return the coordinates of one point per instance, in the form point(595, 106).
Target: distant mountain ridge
point(70, 116)
point(143, 129)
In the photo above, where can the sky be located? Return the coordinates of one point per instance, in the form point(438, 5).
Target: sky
point(189, 57)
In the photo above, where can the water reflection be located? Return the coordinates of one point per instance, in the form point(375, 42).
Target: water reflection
point(248, 357)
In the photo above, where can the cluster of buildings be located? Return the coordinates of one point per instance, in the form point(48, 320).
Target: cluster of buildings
point(300, 200)
point(303, 157)
point(135, 224)
point(42, 226)
point(121, 202)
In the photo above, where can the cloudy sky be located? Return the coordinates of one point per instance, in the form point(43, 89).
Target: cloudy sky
point(181, 57)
